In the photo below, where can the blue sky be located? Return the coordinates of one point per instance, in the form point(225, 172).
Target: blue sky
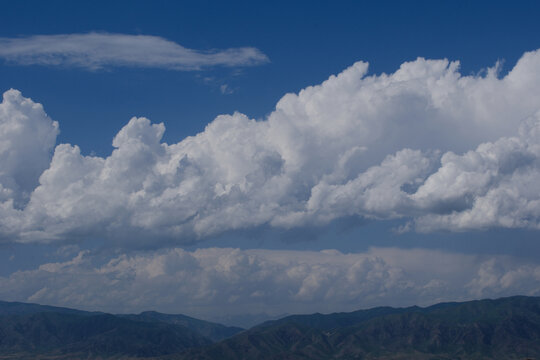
point(401, 159)
point(305, 41)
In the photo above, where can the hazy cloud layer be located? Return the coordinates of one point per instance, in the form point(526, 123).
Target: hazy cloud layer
point(441, 150)
point(215, 282)
point(100, 50)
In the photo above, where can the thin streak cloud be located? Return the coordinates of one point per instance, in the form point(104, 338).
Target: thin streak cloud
point(95, 51)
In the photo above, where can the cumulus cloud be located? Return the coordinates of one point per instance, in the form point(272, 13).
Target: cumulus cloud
point(212, 282)
point(100, 50)
point(27, 138)
point(494, 185)
point(424, 143)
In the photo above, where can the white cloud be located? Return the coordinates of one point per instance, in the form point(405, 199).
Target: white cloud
point(213, 282)
point(424, 143)
point(494, 185)
point(100, 50)
point(226, 89)
point(27, 138)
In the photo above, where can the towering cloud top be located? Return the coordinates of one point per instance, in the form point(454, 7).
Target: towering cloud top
point(27, 138)
point(425, 143)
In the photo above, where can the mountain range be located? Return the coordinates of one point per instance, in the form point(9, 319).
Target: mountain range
point(505, 328)
point(30, 331)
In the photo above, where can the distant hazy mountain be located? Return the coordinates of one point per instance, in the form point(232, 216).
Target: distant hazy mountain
point(213, 331)
point(507, 328)
point(29, 331)
point(247, 321)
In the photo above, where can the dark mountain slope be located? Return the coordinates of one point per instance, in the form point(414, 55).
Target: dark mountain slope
point(38, 331)
point(335, 320)
point(213, 331)
point(507, 328)
point(100, 335)
point(19, 308)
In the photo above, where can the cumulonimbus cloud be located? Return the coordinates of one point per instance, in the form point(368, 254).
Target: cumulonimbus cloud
point(425, 144)
point(212, 282)
point(101, 50)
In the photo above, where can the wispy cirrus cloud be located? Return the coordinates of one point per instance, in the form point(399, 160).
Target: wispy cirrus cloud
point(101, 50)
